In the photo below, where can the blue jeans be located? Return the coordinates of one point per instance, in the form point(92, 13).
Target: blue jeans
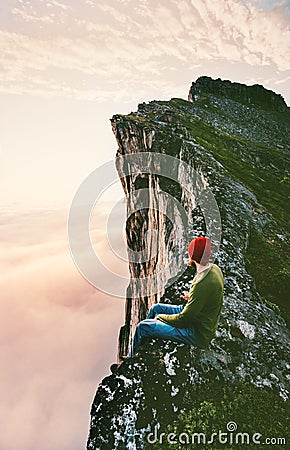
point(151, 327)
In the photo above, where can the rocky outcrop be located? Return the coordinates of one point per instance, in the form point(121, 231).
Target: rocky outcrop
point(236, 138)
point(256, 95)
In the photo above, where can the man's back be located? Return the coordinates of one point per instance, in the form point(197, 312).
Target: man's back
point(208, 291)
point(203, 308)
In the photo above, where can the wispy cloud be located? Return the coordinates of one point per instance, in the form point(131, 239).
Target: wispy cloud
point(32, 18)
point(54, 3)
point(129, 43)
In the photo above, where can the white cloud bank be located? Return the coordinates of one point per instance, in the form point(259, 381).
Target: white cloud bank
point(96, 50)
point(53, 333)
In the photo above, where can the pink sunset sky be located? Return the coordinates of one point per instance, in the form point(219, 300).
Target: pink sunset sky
point(66, 67)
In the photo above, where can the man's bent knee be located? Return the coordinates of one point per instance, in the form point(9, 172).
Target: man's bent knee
point(141, 326)
point(154, 308)
point(145, 327)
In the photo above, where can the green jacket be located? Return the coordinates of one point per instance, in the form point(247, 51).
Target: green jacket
point(203, 307)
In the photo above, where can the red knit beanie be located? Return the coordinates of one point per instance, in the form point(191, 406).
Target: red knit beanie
point(199, 250)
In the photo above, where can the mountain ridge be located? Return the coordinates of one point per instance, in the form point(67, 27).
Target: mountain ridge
point(255, 95)
point(242, 150)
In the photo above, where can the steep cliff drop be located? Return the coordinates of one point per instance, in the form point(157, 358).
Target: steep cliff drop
point(236, 137)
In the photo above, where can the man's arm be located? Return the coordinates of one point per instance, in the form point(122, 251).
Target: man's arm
point(186, 317)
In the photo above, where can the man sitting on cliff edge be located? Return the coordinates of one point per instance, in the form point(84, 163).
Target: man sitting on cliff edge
point(196, 322)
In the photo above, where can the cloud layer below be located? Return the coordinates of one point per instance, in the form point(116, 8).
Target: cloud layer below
point(54, 330)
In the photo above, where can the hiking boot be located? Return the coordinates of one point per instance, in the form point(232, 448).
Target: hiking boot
point(114, 367)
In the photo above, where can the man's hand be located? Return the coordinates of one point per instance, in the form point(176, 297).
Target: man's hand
point(185, 296)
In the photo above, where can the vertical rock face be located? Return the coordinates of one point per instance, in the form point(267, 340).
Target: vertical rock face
point(132, 139)
point(236, 137)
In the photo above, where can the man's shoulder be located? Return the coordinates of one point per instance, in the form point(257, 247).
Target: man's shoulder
point(216, 268)
point(217, 276)
point(215, 273)
point(211, 275)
